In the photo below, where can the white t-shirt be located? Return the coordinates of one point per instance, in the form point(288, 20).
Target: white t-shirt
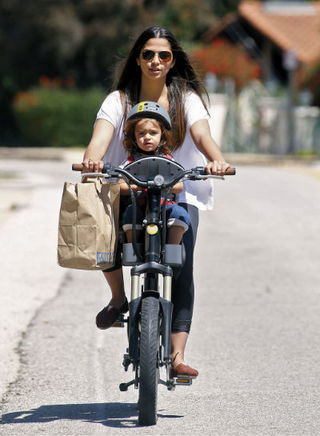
point(200, 193)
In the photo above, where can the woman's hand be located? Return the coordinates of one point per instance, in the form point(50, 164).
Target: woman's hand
point(217, 167)
point(91, 166)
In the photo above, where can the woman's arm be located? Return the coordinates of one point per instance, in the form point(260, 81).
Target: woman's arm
point(201, 135)
point(98, 145)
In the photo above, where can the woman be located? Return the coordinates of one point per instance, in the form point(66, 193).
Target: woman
point(157, 69)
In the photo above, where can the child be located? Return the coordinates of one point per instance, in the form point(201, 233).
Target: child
point(146, 134)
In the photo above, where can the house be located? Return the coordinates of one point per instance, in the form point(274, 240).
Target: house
point(281, 36)
point(283, 40)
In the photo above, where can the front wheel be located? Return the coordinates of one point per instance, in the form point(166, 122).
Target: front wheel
point(149, 361)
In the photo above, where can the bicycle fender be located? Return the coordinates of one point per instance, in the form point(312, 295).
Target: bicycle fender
point(134, 309)
point(166, 309)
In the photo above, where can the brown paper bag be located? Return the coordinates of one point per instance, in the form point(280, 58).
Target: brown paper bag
point(88, 225)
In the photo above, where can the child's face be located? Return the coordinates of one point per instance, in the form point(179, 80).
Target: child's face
point(148, 134)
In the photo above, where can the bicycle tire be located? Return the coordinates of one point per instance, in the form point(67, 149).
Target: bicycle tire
point(149, 364)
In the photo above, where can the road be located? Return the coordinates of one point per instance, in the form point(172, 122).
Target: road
point(255, 335)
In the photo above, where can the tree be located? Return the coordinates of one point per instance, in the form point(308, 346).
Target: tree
point(187, 19)
point(62, 38)
point(84, 39)
point(222, 7)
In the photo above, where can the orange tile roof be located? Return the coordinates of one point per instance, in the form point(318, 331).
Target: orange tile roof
point(287, 27)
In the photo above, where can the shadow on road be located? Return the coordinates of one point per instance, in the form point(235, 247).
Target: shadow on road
point(108, 414)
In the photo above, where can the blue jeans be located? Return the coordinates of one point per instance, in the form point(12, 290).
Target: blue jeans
point(176, 216)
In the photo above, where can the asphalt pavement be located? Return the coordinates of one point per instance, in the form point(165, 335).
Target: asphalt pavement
point(255, 333)
point(30, 194)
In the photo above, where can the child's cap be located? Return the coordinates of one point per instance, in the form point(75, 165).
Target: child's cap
point(150, 109)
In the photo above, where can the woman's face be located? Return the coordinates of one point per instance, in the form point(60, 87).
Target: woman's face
point(156, 58)
point(148, 134)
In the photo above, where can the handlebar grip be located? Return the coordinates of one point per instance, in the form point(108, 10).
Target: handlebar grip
point(230, 171)
point(77, 167)
point(107, 169)
point(202, 171)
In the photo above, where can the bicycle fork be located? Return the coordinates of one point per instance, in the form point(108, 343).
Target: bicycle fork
point(166, 307)
point(151, 270)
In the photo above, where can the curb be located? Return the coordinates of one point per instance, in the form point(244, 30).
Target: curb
point(270, 159)
point(76, 154)
point(41, 153)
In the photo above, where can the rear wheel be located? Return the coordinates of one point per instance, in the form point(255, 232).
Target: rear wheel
point(149, 361)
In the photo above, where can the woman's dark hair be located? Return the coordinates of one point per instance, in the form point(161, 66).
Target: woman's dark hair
point(130, 139)
point(180, 79)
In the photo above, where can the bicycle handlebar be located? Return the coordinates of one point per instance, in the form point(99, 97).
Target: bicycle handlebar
point(197, 173)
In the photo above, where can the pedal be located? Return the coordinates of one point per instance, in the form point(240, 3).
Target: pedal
point(182, 381)
point(123, 387)
point(120, 322)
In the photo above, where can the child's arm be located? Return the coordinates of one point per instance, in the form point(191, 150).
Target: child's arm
point(178, 187)
point(124, 189)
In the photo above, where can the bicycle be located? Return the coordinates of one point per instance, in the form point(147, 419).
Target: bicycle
point(150, 307)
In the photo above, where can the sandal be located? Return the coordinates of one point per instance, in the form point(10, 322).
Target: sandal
point(109, 315)
point(182, 370)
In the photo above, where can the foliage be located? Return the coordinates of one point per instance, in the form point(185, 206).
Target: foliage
point(309, 78)
point(227, 60)
point(78, 39)
point(70, 38)
point(84, 39)
point(222, 7)
point(187, 19)
point(50, 115)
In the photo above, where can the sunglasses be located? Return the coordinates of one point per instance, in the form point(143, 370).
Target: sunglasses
point(164, 56)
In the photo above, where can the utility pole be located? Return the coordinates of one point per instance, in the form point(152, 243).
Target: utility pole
point(290, 63)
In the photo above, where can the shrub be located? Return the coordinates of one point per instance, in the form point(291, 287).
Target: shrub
point(227, 60)
point(52, 116)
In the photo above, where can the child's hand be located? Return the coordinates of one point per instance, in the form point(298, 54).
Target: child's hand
point(124, 189)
